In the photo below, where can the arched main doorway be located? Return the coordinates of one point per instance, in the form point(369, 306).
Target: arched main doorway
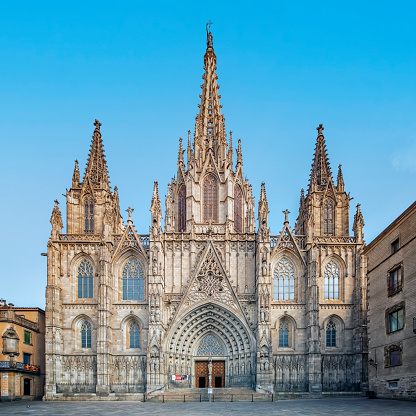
point(211, 335)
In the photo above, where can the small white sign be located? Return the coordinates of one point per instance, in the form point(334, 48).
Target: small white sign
point(209, 391)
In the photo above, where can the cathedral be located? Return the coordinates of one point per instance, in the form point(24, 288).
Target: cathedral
point(210, 298)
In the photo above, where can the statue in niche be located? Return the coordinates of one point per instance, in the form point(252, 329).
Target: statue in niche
point(264, 268)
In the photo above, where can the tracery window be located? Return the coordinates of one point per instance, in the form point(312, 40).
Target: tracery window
point(284, 281)
point(89, 215)
point(331, 334)
point(284, 335)
point(86, 334)
point(329, 217)
point(134, 335)
point(182, 208)
point(210, 203)
point(331, 281)
point(133, 281)
point(210, 345)
point(238, 209)
point(85, 280)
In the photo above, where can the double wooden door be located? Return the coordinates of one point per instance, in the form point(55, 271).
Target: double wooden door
point(202, 373)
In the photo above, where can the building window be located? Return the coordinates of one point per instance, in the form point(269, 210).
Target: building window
point(393, 355)
point(395, 245)
point(86, 335)
point(284, 335)
point(133, 281)
point(27, 339)
point(331, 334)
point(182, 208)
point(89, 215)
point(85, 280)
point(329, 217)
point(331, 281)
point(238, 209)
point(396, 320)
point(26, 358)
point(395, 280)
point(284, 281)
point(210, 203)
point(134, 335)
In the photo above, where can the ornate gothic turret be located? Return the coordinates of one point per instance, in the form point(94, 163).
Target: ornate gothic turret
point(325, 209)
point(92, 208)
point(156, 210)
point(263, 215)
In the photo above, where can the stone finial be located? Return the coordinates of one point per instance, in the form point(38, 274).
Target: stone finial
point(239, 153)
point(286, 212)
point(75, 176)
point(129, 211)
point(210, 38)
point(340, 179)
point(56, 221)
point(320, 129)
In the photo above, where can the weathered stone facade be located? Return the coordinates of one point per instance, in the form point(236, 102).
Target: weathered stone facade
point(391, 263)
point(210, 294)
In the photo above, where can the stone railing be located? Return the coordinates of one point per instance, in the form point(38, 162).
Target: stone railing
point(300, 241)
point(80, 237)
point(330, 239)
point(10, 316)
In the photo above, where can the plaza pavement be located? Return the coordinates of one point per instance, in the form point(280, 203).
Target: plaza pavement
point(305, 407)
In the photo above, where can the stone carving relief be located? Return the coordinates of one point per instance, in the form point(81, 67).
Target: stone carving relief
point(210, 284)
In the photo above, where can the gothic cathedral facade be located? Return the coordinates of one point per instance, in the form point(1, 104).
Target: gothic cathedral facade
point(212, 292)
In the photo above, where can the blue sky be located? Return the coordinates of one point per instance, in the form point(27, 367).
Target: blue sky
point(283, 69)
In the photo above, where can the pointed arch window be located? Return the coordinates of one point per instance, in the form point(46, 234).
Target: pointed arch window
point(329, 228)
point(284, 335)
point(133, 281)
point(89, 215)
point(238, 209)
point(86, 334)
point(85, 280)
point(210, 203)
point(134, 335)
point(182, 208)
point(331, 334)
point(284, 281)
point(331, 281)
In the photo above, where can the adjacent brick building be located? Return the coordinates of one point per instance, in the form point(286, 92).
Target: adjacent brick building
point(22, 370)
point(391, 273)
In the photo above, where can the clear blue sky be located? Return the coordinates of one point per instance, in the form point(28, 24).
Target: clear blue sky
point(284, 67)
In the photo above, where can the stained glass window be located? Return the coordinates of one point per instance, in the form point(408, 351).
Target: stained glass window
point(133, 281)
point(89, 215)
point(85, 280)
point(86, 335)
point(210, 202)
point(331, 281)
point(134, 335)
point(210, 345)
point(238, 209)
point(284, 281)
point(284, 335)
point(182, 208)
point(331, 334)
point(329, 217)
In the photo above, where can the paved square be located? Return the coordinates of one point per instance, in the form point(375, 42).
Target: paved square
point(353, 406)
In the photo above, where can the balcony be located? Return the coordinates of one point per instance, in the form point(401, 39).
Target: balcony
point(30, 368)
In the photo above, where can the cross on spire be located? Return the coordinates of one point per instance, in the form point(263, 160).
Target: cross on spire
point(129, 210)
point(320, 128)
point(97, 125)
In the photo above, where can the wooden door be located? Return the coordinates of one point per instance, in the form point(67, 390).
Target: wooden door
point(201, 374)
point(218, 374)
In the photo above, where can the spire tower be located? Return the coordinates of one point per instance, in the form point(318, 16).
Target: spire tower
point(96, 171)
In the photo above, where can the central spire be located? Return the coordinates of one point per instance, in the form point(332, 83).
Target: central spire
point(209, 126)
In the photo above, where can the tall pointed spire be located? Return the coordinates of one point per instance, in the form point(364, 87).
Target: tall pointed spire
point(96, 170)
point(75, 176)
point(340, 179)
point(180, 153)
point(321, 170)
point(358, 225)
point(230, 149)
point(156, 206)
point(239, 153)
point(209, 124)
point(189, 151)
point(56, 221)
